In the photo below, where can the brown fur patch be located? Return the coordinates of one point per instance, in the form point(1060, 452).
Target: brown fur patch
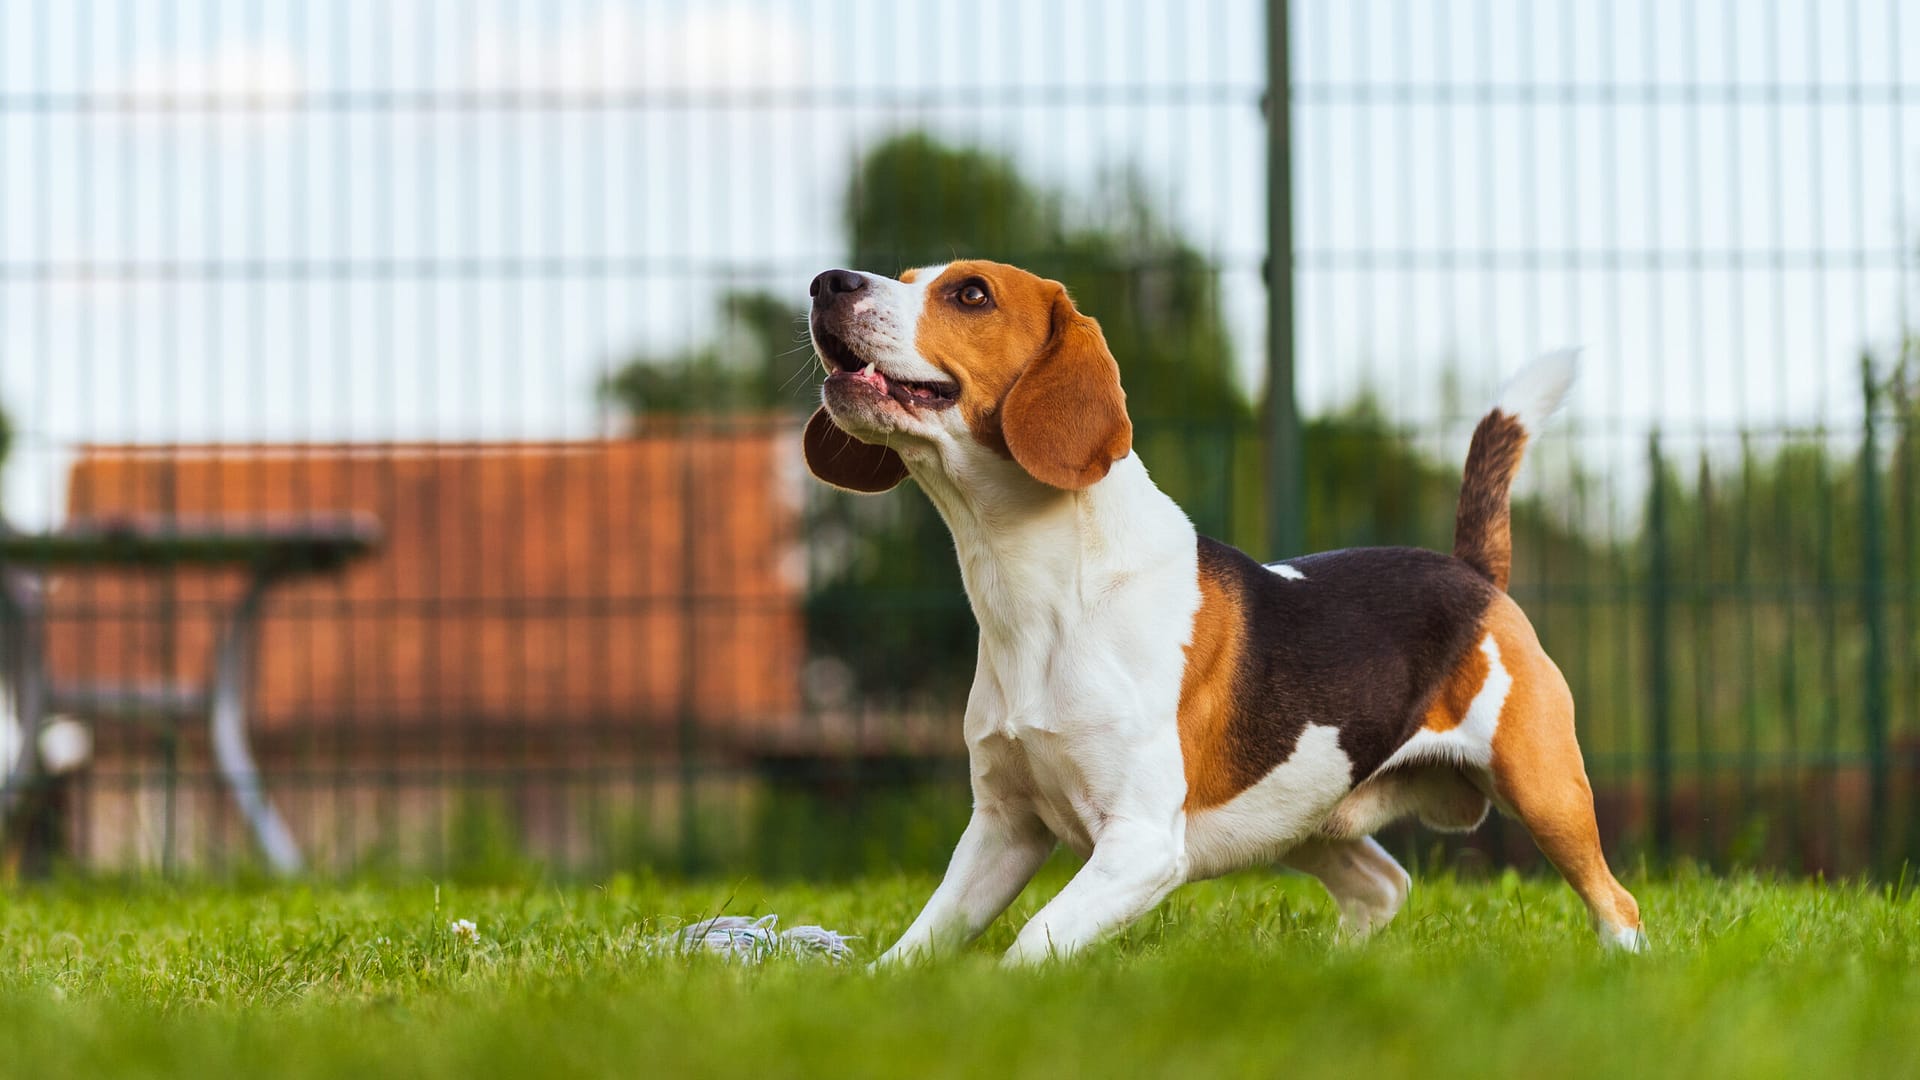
point(1482, 529)
point(985, 349)
point(1538, 709)
point(1037, 382)
point(1455, 696)
point(1207, 695)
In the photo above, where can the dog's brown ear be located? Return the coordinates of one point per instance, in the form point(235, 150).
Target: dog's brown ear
point(846, 462)
point(1065, 417)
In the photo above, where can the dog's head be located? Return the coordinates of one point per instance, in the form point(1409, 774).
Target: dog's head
point(952, 362)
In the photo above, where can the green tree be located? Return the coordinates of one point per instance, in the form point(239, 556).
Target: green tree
point(756, 362)
point(914, 200)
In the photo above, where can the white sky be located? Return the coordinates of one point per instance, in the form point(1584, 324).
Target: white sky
point(382, 255)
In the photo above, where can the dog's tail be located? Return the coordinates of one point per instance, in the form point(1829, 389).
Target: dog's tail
point(1482, 530)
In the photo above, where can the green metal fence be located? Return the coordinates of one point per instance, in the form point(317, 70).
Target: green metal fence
point(439, 232)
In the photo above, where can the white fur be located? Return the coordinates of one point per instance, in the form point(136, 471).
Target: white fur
point(1286, 571)
point(1536, 391)
point(1070, 722)
point(1278, 811)
point(1470, 744)
point(1365, 881)
point(1626, 939)
point(884, 325)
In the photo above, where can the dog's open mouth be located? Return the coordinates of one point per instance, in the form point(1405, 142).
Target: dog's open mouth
point(849, 368)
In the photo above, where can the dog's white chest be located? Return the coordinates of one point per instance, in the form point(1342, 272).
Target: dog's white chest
point(1078, 741)
point(1027, 767)
point(1027, 747)
point(1084, 602)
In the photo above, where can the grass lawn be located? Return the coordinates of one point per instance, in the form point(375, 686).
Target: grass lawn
point(1242, 977)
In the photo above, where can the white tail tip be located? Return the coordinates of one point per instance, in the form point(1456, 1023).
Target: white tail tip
point(1536, 391)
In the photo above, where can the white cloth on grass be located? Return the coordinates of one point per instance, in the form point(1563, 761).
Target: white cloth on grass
point(750, 940)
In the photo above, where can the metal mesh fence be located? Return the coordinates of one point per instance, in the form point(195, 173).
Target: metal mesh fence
point(463, 339)
point(1714, 200)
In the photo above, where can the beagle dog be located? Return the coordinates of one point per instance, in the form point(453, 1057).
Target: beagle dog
point(1161, 703)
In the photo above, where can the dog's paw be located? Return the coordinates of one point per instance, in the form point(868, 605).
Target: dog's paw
point(1631, 940)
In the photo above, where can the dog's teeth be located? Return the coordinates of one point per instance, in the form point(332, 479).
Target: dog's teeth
point(868, 370)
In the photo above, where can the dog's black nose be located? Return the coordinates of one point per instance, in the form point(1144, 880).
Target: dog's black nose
point(835, 283)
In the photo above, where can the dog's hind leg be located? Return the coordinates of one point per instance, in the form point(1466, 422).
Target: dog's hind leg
point(1538, 777)
point(1364, 881)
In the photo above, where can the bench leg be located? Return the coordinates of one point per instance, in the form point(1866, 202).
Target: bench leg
point(228, 717)
point(22, 674)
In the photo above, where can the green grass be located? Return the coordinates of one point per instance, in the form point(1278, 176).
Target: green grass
point(1243, 976)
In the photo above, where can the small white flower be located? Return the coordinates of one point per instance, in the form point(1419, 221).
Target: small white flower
point(464, 928)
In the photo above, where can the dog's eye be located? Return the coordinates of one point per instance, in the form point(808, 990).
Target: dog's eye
point(972, 294)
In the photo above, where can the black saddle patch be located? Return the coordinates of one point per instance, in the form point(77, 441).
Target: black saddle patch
point(1361, 642)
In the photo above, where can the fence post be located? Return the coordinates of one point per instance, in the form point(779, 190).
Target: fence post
point(1286, 503)
point(1659, 653)
point(1873, 585)
point(689, 722)
point(1905, 501)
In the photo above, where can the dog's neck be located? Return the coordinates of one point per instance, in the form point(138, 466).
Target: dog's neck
point(1031, 554)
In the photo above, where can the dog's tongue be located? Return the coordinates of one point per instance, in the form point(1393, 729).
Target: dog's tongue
point(871, 374)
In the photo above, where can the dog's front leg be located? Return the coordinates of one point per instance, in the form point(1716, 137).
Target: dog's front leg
point(998, 854)
point(1134, 865)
